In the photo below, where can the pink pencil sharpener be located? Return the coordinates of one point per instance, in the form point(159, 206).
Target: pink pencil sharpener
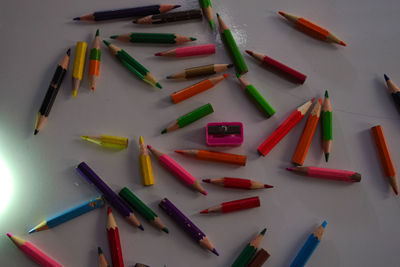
point(224, 133)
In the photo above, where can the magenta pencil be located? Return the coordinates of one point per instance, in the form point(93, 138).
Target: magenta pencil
point(278, 66)
point(33, 252)
point(177, 170)
point(189, 51)
point(329, 174)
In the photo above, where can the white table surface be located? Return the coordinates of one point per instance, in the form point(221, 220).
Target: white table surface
point(362, 218)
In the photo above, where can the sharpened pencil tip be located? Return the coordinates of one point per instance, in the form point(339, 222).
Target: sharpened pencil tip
point(249, 52)
point(215, 252)
point(343, 43)
point(176, 6)
point(230, 65)
point(263, 231)
point(324, 224)
point(31, 231)
point(114, 36)
point(179, 152)
point(386, 77)
point(204, 211)
point(99, 251)
point(109, 210)
point(164, 131)
point(158, 54)
point(159, 85)
point(9, 235)
point(326, 93)
point(268, 186)
point(193, 39)
point(165, 229)
point(35, 132)
point(326, 157)
point(106, 42)
point(204, 193)
point(69, 51)
point(226, 75)
point(77, 18)
point(97, 32)
point(207, 180)
point(289, 169)
point(217, 15)
point(148, 146)
point(281, 13)
point(141, 227)
point(169, 77)
point(211, 24)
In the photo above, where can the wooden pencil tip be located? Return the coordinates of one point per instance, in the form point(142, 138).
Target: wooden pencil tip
point(207, 180)
point(179, 151)
point(249, 52)
point(386, 77)
point(342, 43)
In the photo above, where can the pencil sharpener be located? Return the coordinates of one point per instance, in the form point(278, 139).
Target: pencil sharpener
point(224, 133)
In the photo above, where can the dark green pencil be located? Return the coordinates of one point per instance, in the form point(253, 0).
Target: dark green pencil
point(247, 253)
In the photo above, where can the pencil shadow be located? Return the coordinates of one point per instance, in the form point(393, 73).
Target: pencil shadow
point(187, 23)
point(165, 102)
point(133, 163)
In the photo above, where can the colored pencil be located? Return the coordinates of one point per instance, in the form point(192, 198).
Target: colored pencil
point(279, 67)
point(207, 10)
point(127, 12)
point(79, 65)
point(107, 141)
point(308, 248)
point(94, 62)
point(133, 65)
point(197, 88)
point(259, 259)
point(114, 240)
point(157, 38)
point(239, 183)
point(248, 252)
point(179, 172)
point(145, 164)
point(312, 29)
point(33, 252)
point(69, 214)
point(187, 225)
point(306, 137)
point(189, 118)
point(386, 158)
point(170, 17)
point(200, 71)
point(102, 259)
point(108, 194)
point(231, 46)
point(394, 90)
point(215, 156)
point(235, 205)
point(189, 51)
point(52, 92)
point(142, 208)
point(326, 115)
point(328, 174)
point(285, 127)
point(257, 98)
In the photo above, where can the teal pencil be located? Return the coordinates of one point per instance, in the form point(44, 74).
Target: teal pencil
point(69, 214)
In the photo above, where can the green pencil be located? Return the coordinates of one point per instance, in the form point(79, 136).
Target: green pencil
point(144, 210)
point(232, 47)
point(257, 98)
point(188, 118)
point(247, 253)
point(158, 38)
point(136, 67)
point(326, 117)
point(207, 11)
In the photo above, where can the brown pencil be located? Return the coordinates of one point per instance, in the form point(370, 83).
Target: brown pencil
point(200, 71)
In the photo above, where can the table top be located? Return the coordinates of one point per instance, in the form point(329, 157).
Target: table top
point(362, 217)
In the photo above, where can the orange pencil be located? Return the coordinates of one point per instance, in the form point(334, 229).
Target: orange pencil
point(312, 29)
point(197, 88)
point(215, 156)
point(308, 133)
point(386, 159)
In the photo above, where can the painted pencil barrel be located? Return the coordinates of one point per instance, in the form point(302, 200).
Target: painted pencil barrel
point(195, 115)
point(137, 204)
point(333, 174)
point(240, 204)
point(259, 101)
point(245, 256)
point(176, 16)
point(383, 150)
point(200, 71)
point(298, 76)
point(177, 170)
point(160, 38)
point(223, 157)
point(146, 170)
point(312, 29)
point(191, 91)
point(326, 125)
point(205, 3)
point(128, 12)
point(237, 183)
point(259, 259)
point(197, 50)
point(133, 62)
point(94, 61)
point(233, 49)
point(114, 141)
point(79, 61)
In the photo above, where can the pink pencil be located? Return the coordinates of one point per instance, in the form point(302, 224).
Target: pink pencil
point(177, 170)
point(329, 174)
point(189, 51)
point(33, 252)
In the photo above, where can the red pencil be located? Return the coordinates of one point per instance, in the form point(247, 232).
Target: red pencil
point(230, 182)
point(114, 241)
point(284, 128)
point(240, 204)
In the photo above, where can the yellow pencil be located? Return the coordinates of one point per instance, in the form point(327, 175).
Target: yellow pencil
point(79, 65)
point(145, 164)
point(108, 141)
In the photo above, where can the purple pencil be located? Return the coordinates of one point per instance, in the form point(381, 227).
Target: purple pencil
point(109, 195)
point(187, 225)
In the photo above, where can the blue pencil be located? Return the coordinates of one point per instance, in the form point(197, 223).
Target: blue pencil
point(309, 247)
point(69, 214)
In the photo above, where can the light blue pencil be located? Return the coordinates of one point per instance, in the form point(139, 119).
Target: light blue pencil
point(309, 247)
point(69, 214)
